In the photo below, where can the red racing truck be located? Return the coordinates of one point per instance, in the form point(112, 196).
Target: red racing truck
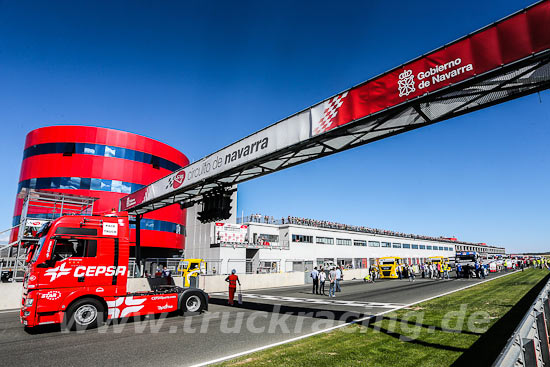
point(77, 276)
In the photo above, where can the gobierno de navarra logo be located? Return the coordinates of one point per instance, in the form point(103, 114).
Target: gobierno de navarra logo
point(405, 84)
point(434, 75)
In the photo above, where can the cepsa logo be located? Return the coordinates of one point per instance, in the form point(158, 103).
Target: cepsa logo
point(88, 271)
point(51, 295)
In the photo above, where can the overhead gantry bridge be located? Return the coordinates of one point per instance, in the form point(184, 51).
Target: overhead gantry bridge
point(503, 61)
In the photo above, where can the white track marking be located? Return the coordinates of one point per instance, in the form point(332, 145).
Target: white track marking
point(240, 354)
point(316, 301)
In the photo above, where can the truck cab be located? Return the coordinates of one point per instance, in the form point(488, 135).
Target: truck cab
point(77, 275)
point(388, 267)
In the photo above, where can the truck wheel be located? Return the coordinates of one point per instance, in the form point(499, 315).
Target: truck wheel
point(192, 303)
point(87, 313)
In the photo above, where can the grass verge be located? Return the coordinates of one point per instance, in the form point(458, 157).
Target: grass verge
point(458, 329)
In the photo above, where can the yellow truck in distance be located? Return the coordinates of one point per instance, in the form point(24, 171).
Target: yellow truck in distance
point(388, 266)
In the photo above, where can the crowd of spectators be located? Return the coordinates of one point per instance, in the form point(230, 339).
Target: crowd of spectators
point(258, 218)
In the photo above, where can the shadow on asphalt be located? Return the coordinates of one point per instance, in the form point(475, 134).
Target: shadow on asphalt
point(345, 316)
point(56, 328)
point(365, 320)
point(486, 349)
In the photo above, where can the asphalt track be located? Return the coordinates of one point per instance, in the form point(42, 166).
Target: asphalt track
point(265, 317)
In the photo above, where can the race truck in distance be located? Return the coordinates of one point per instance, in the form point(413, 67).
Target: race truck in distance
point(438, 260)
point(466, 258)
point(388, 267)
point(77, 276)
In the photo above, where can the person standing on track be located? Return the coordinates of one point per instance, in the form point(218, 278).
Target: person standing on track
point(332, 280)
point(338, 278)
point(232, 279)
point(322, 279)
point(410, 272)
point(315, 276)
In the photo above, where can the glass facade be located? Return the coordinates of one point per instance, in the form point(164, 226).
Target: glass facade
point(79, 183)
point(343, 241)
point(100, 151)
point(325, 240)
point(302, 238)
point(160, 225)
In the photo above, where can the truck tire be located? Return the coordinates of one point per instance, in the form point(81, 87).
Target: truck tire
point(192, 302)
point(86, 313)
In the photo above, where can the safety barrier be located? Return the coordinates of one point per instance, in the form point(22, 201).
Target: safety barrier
point(528, 346)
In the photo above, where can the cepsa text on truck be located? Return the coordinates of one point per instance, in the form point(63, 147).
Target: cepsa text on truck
point(77, 276)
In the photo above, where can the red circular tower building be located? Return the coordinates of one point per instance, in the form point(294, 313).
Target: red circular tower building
point(106, 164)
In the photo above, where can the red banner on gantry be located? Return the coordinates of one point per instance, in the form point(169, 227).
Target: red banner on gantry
point(502, 43)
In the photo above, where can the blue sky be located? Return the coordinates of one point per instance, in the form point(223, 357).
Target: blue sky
point(199, 75)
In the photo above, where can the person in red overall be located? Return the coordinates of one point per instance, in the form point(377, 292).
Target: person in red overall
point(232, 279)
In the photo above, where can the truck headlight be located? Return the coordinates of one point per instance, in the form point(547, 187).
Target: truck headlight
point(29, 302)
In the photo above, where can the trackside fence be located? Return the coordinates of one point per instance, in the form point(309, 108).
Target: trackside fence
point(528, 346)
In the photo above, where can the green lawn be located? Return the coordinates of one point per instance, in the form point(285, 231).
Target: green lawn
point(428, 334)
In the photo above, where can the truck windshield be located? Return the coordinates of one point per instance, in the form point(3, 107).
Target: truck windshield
point(388, 261)
point(38, 248)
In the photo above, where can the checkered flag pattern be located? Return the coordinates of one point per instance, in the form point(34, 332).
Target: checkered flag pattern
point(329, 114)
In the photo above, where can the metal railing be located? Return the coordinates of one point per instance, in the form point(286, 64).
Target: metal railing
point(249, 266)
point(266, 219)
point(281, 245)
point(211, 267)
point(528, 345)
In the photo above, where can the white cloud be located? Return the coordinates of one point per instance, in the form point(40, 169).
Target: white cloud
point(4, 238)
